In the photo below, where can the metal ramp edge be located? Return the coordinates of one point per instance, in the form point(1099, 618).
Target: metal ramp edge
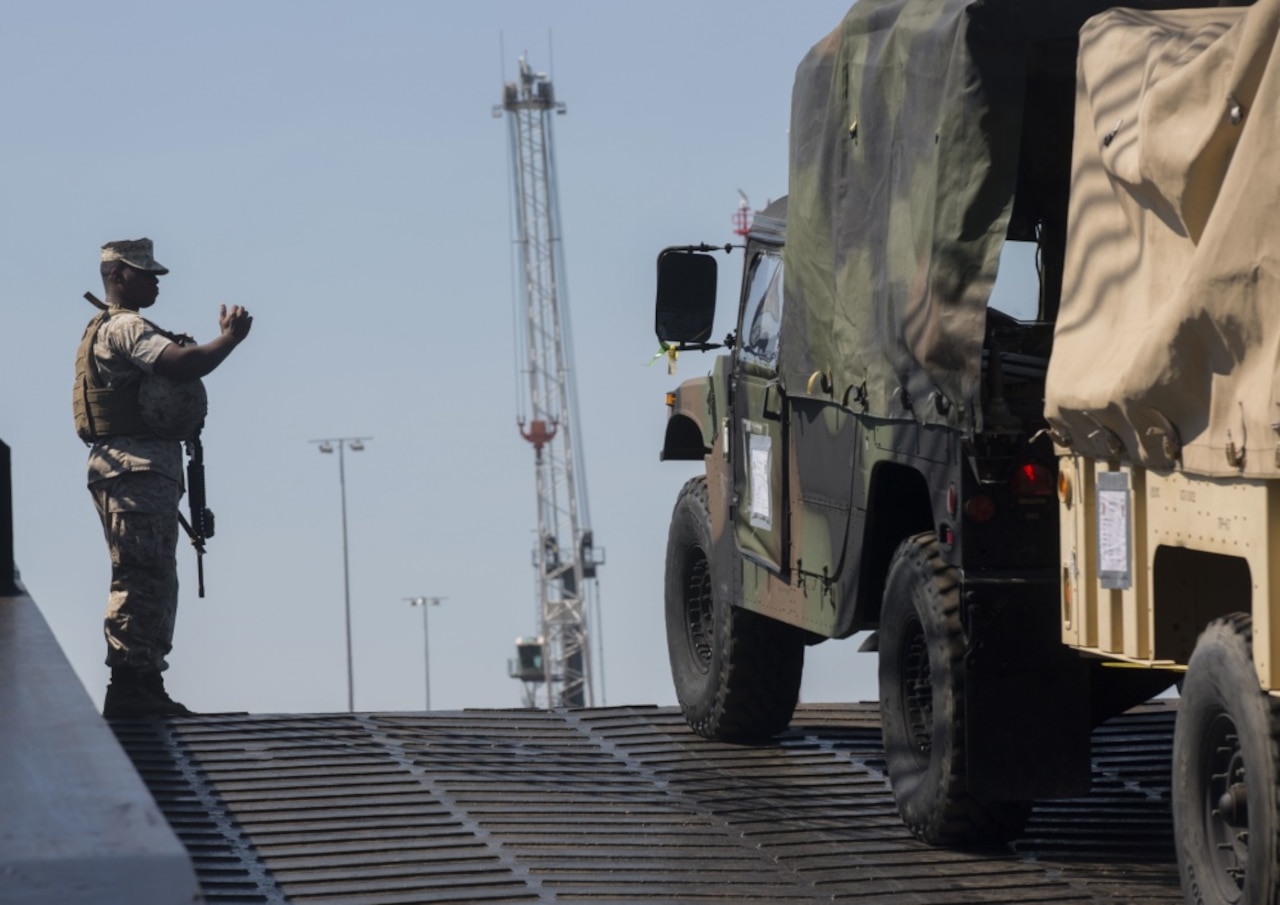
point(77, 824)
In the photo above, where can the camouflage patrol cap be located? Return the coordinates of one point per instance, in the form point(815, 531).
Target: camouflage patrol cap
point(137, 253)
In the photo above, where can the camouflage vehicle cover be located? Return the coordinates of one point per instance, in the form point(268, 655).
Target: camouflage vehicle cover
point(906, 127)
point(876, 451)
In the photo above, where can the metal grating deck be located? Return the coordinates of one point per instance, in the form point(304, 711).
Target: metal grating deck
point(620, 805)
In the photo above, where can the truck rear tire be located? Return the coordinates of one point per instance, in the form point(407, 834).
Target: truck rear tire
point(1226, 757)
point(922, 704)
point(736, 673)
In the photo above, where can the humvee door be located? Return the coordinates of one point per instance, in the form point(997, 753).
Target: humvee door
point(757, 428)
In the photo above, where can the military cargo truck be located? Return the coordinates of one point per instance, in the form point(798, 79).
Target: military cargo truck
point(1042, 517)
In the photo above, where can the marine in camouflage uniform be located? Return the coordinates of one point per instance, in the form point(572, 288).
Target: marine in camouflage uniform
point(135, 475)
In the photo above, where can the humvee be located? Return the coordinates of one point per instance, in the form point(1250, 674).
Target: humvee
point(1041, 516)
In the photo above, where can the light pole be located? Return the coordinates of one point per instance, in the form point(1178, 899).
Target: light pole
point(426, 603)
point(355, 444)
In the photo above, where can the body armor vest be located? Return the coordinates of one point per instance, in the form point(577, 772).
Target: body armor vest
point(101, 411)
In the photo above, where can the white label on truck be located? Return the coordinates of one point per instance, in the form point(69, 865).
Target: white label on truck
point(761, 459)
point(1114, 558)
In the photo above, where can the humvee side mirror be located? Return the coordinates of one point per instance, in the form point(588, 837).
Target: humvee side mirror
point(686, 303)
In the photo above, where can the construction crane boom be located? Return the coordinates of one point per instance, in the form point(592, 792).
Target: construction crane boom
point(556, 666)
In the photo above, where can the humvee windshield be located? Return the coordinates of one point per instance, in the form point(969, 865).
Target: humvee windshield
point(762, 317)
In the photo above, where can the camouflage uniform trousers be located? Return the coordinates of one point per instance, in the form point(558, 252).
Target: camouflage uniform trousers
point(139, 512)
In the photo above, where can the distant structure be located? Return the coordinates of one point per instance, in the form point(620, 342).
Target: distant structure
point(555, 666)
point(743, 216)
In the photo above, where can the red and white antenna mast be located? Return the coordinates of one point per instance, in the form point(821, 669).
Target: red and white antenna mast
point(555, 667)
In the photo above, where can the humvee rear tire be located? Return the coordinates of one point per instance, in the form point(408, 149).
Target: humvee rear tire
point(1226, 760)
point(922, 704)
point(736, 673)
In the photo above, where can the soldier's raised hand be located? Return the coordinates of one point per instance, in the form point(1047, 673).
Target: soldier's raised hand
point(235, 322)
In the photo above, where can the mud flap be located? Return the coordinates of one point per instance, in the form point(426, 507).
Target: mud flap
point(1028, 717)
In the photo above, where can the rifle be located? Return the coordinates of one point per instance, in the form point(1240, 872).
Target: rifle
point(200, 528)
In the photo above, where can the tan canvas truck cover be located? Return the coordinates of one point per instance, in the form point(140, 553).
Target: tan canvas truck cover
point(905, 132)
point(1167, 346)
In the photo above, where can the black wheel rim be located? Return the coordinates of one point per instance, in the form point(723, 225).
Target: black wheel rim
point(1226, 826)
point(917, 690)
point(699, 618)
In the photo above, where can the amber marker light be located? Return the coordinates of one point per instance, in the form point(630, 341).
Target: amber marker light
point(1064, 485)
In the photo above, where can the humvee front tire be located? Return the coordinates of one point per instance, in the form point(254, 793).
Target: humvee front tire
point(736, 673)
point(922, 704)
point(1226, 756)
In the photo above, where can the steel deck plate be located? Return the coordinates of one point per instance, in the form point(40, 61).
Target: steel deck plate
point(621, 805)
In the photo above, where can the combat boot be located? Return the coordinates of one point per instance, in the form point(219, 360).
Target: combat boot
point(154, 683)
point(126, 695)
point(132, 693)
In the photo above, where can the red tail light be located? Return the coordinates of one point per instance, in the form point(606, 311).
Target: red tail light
point(1034, 479)
point(980, 508)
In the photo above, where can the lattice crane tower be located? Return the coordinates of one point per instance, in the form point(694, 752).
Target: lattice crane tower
point(556, 667)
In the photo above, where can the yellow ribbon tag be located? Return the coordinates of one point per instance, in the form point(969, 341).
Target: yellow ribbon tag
point(670, 351)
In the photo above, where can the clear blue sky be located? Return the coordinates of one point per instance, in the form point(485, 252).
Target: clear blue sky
point(335, 168)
